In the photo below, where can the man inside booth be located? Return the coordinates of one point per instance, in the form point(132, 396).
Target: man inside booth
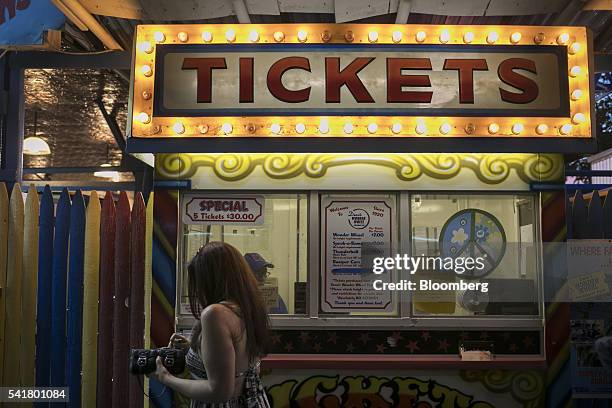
point(268, 286)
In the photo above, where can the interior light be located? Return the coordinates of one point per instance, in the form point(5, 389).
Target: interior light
point(493, 128)
point(35, 146)
point(372, 128)
point(396, 36)
point(444, 36)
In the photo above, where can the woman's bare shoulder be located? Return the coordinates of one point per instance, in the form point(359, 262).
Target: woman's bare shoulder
point(217, 315)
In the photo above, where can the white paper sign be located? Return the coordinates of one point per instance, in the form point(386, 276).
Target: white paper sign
point(202, 208)
point(350, 227)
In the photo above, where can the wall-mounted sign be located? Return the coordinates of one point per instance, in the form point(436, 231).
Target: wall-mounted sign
point(349, 227)
point(202, 208)
point(392, 81)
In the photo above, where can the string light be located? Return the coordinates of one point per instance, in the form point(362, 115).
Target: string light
point(178, 128)
point(515, 37)
point(372, 128)
point(143, 117)
point(493, 128)
point(302, 36)
point(230, 35)
point(396, 36)
point(227, 128)
point(253, 36)
point(444, 36)
point(420, 36)
point(182, 36)
point(373, 36)
point(300, 128)
point(159, 37)
point(348, 128)
point(576, 94)
point(492, 37)
point(207, 36)
point(275, 128)
point(541, 128)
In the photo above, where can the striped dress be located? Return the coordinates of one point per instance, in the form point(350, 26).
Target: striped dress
point(253, 394)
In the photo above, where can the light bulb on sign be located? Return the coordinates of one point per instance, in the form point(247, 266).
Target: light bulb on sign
point(468, 37)
point(445, 128)
point(253, 36)
point(515, 37)
point(578, 118)
point(574, 48)
point(563, 38)
point(300, 128)
point(302, 36)
point(145, 47)
point(178, 128)
point(396, 128)
point(566, 129)
point(275, 128)
point(143, 117)
point(348, 128)
point(576, 94)
point(324, 127)
point(207, 36)
point(146, 70)
point(420, 128)
point(420, 36)
point(396, 36)
point(444, 36)
point(230, 35)
point(372, 128)
point(373, 36)
point(492, 37)
point(493, 128)
point(517, 128)
point(182, 36)
point(575, 71)
point(279, 36)
point(227, 128)
point(541, 128)
point(159, 37)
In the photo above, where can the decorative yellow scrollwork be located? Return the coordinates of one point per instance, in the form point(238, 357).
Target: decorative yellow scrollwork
point(489, 168)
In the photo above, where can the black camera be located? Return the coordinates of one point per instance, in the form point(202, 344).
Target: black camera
point(142, 361)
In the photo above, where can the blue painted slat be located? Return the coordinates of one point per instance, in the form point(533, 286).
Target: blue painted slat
point(75, 300)
point(45, 271)
point(58, 291)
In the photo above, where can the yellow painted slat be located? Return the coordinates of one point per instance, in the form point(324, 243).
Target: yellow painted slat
point(4, 205)
point(28, 288)
point(14, 272)
point(148, 281)
point(91, 284)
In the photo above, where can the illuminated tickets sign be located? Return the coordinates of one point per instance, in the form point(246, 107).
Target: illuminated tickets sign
point(201, 208)
point(360, 80)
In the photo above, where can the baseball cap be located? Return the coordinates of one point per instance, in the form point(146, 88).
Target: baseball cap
point(257, 261)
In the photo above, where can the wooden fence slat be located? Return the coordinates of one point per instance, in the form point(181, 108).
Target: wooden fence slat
point(107, 290)
point(74, 315)
point(579, 217)
point(43, 315)
point(58, 291)
point(90, 301)
point(29, 285)
point(13, 321)
point(148, 282)
point(595, 219)
point(121, 320)
point(607, 217)
point(137, 282)
point(4, 205)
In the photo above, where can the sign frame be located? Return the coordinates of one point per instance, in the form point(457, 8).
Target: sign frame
point(150, 133)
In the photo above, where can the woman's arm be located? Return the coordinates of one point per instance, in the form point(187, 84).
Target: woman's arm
point(218, 348)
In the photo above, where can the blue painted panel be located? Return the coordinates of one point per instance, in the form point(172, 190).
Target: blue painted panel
point(22, 22)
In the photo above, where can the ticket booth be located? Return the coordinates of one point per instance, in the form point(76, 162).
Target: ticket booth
point(320, 148)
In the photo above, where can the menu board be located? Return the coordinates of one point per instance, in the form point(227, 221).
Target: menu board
point(354, 231)
point(203, 208)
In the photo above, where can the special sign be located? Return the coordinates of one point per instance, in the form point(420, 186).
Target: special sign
point(360, 80)
point(201, 208)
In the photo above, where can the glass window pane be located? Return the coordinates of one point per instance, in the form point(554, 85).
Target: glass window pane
point(497, 229)
point(280, 241)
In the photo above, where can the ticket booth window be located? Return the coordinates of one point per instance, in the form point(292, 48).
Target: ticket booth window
point(498, 229)
point(277, 248)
